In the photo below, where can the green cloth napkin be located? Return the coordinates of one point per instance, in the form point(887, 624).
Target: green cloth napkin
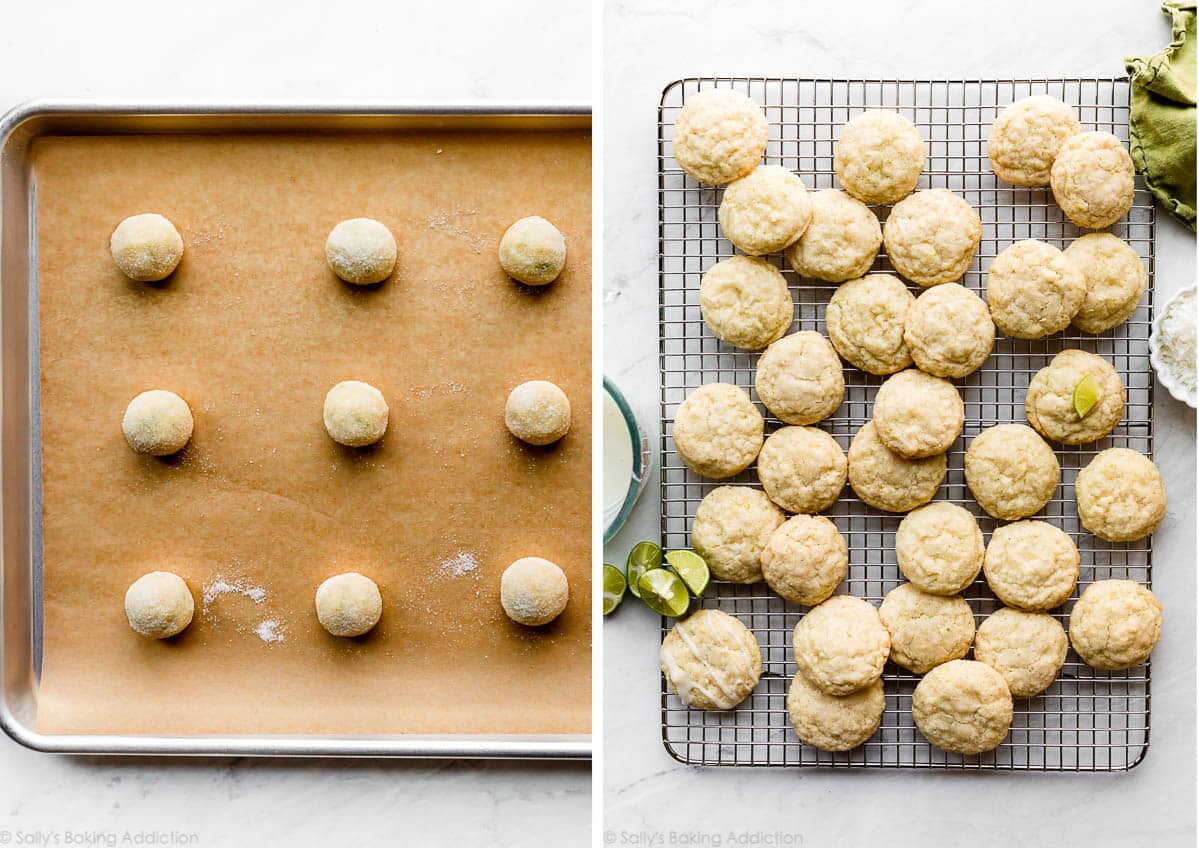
point(1162, 122)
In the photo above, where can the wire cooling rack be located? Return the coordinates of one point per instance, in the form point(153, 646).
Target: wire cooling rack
point(1089, 720)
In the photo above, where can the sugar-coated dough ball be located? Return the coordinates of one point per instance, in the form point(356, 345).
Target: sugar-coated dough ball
point(1049, 401)
point(1026, 136)
point(718, 431)
point(931, 237)
point(805, 559)
point(1115, 624)
point(917, 414)
point(1033, 290)
point(1010, 471)
point(1121, 496)
point(1092, 179)
point(732, 525)
point(355, 414)
point(146, 247)
point(879, 156)
point(1116, 279)
point(361, 251)
point(711, 660)
point(802, 469)
point(865, 320)
point(1027, 648)
point(832, 722)
point(533, 251)
point(963, 706)
point(348, 604)
point(537, 412)
point(939, 548)
point(926, 630)
point(1031, 565)
point(159, 604)
point(157, 422)
point(841, 645)
point(885, 480)
point(534, 591)
point(841, 241)
point(765, 210)
point(745, 302)
point(799, 378)
point(719, 135)
point(949, 331)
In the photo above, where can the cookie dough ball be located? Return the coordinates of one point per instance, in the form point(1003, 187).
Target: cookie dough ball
point(1033, 290)
point(719, 136)
point(831, 722)
point(355, 414)
point(1121, 496)
point(885, 480)
point(939, 548)
point(745, 302)
point(865, 320)
point(802, 469)
point(533, 251)
point(949, 331)
point(1115, 624)
point(1026, 136)
point(926, 630)
point(146, 247)
point(799, 378)
point(159, 605)
point(931, 237)
point(1027, 648)
point(805, 559)
point(732, 525)
point(711, 660)
point(718, 431)
point(841, 241)
point(879, 156)
point(918, 415)
point(537, 412)
point(348, 604)
point(1031, 565)
point(361, 251)
point(765, 210)
point(841, 645)
point(1092, 179)
point(1049, 401)
point(1010, 471)
point(533, 591)
point(1115, 277)
point(157, 422)
point(963, 707)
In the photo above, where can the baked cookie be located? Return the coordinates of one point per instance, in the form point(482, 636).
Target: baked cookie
point(865, 320)
point(805, 559)
point(802, 469)
point(841, 241)
point(1121, 496)
point(841, 645)
point(926, 630)
point(719, 136)
point(879, 156)
point(918, 415)
point(1026, 136)
point(931, 237)
point(1010, 471)
point(1115, 624)
point(1027, 648)
point(885, 480)
point(799, 378)
point(1091, 179)
point(1115, 277)
point(1031, 565)
point(1033, 290)
point(732, 525)
point(963, 706)
point(765, 210)
point(939, 548)
point(832, 722)
point(745, 302)
point(711, 660)
point(949, 331)
point(1049, 401)
point(718, 431)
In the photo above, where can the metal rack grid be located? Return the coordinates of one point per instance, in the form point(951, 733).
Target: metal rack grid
point(1088, 720)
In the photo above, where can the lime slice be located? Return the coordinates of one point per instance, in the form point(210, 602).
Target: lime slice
point(691, 567)
point(1086, 395)
point(644, 557)
point(614, 586)
point(663, 591)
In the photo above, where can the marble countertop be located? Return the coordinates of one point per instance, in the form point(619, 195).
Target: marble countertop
point(648, 796)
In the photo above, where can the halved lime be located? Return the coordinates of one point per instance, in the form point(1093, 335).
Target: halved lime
point(691, 567)
point(614, 586)
point(1086, 395)
point(663, 591)
point(644, 557)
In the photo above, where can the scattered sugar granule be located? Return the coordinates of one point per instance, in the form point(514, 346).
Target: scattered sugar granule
point(459, 565)
point(218, 587)
point(270, 631)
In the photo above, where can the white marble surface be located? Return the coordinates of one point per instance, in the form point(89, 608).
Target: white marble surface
point(648, 795)
point(350, 51)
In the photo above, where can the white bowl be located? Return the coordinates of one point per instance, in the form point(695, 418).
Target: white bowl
point(1164, 377)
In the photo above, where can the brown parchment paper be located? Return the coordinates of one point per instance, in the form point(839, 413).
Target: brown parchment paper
point(252, 330)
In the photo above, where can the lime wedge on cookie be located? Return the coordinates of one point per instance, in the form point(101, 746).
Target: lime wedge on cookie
point(644, 557)
point(614, 586)
point(1086, 395)
point(663, 591)
point(691, 567)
